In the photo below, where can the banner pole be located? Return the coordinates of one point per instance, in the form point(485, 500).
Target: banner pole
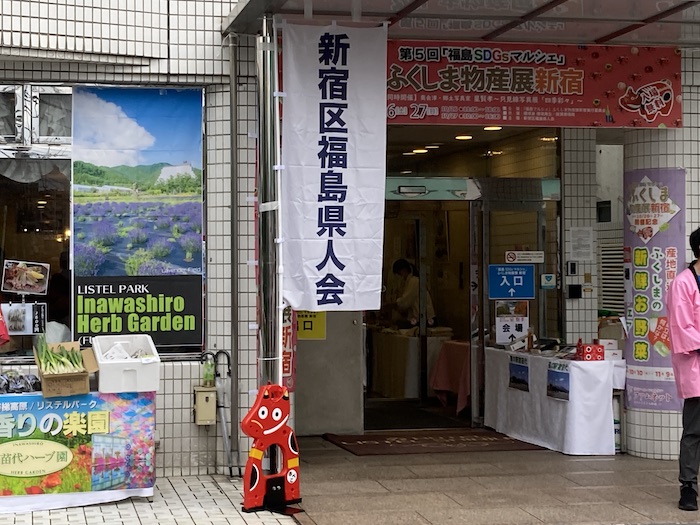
point(269, 326)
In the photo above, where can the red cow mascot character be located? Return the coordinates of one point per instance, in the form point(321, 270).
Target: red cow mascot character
point(650, 100)
point(267, 424)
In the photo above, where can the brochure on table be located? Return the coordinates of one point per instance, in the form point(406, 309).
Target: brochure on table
point(75, 450)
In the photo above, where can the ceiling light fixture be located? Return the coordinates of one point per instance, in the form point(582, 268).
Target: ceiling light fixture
point(463, 137)
point(549, 139)
point(420, 150)
point(41, 202)
point(406, 172)
point(493, 128)
point(432, 146)
point(412, 191)
point(409, 153)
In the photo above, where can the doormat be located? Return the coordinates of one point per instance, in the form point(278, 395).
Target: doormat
point(427, 442)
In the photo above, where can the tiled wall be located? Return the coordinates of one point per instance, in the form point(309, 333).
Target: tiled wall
point(247, 129)
point(170, 43)
point(159, 41)
point(652, 433)
point(184, 448)
point(579, 189)
point(119, 29)
point(171, 37)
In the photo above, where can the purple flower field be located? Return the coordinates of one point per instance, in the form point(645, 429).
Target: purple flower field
point(115, 238)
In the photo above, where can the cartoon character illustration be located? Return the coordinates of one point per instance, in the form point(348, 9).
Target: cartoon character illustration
point(646, 233)
point(266, 423)
point(650, 100)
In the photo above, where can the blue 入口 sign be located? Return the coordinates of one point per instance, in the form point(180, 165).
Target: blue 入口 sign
point(511, 281)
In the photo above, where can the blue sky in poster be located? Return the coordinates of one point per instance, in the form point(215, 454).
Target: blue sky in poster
point(137, 126)
point(558, 379)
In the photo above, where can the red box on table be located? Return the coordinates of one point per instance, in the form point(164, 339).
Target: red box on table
point(590, 352)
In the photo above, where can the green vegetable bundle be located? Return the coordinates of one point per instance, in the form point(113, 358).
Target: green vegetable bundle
point(61, 361)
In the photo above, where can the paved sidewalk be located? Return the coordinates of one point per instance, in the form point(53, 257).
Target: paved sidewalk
point(533, 487)
point(200, 500)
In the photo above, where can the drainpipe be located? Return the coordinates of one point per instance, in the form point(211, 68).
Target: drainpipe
point(233, 119)
point(269, 237)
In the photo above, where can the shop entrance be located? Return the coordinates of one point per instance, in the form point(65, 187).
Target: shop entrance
point(426, 370)
point(425, 304)
point(520, 231)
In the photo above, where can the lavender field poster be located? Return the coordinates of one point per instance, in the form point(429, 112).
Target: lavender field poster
point(654, 253)
point(137, 213)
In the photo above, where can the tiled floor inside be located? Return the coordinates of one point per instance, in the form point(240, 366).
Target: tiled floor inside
point(201, 500)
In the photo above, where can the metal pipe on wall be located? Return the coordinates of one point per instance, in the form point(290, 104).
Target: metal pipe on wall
point(269, 317)
point(422, 306)
point(235, 186)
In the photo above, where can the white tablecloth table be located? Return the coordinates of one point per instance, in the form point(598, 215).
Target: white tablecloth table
point(583, 425)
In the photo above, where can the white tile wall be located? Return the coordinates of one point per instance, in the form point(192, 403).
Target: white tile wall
point(653, 434)
point(656, 434)
point(185, 449)
point(579, 187)
point(161, 41)
point(223, 241)
point(142, 43)
point(97, 27)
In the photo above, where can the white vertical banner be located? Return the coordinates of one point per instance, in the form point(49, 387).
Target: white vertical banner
point(334, 157)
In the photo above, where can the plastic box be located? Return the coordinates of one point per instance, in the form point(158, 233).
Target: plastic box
point(136, 374)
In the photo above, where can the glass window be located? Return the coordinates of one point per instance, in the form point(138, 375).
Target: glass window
point(35, 242)
point(9, 97)
point(51, 115)
point(7, 114)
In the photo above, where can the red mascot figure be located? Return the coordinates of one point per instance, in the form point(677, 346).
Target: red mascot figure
point(266, 423)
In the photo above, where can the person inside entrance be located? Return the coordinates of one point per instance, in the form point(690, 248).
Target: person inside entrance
point(408, 302)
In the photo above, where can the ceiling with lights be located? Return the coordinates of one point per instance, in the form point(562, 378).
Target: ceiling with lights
point(407, 145)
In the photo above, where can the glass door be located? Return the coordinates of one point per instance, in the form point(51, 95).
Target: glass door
point(507, 234)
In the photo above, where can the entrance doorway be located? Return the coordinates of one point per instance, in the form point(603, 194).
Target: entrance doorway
point(450, 228)
point(405, 338)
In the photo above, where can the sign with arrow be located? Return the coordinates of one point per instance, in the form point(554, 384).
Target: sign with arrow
point(512, 321)
point(511, 281)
